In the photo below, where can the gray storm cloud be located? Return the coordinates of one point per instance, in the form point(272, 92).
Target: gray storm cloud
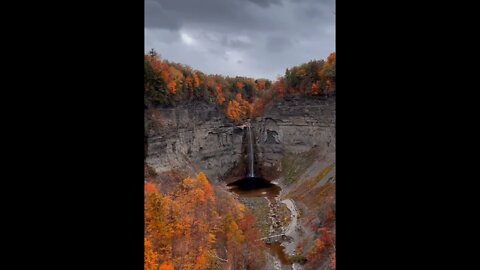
point(255, 38)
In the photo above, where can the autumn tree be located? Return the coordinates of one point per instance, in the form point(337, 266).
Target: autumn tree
point(261, 84)
point(158, 225)
point(315, 88)
point(151, 256)
point(166, 266)
point(220, 97)
point(279, 86)
point(196, 80)
point(240, 85)
point(168, 84)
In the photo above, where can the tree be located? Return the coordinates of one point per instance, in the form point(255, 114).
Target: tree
point(207, 188)
point(172, 87)
point(220, 97)
point(201, 263)
point(196, 80)
point(260, 84)
point(150, 188)
point(166, 266)
point(279, 86)
point(315, 88)
point(233, 110)
point(151, 256)
point(158, 225)
point(240, 85)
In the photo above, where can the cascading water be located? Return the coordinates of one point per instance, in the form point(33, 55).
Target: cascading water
point(250, 172)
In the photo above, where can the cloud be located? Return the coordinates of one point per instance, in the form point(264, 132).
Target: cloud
point(255, 38)
point(277, 44)
point(266, 3)
point(237, 42)
point(157, 17)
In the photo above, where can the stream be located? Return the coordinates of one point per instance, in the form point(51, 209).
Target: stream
point(256, 187)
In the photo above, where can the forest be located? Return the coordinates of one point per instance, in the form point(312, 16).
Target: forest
point(198, 227)
point(240, 98)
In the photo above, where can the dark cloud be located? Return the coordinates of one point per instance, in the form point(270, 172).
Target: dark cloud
point(258, 38)
point(236, 43)
point(157, 17)
point(266, 3)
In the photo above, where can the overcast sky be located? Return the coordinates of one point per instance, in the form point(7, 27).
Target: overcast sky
point(254, 38)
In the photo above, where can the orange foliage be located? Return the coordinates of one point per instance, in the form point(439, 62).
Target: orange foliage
point(261, 85)
point(233, 110)
point(188, 183)
point(234, 234)
point(157, 65)
point(166, 266)
point(198, 195)
point(313, 78)
point(196, 80)
point(157, 227)
point(238, 97)
point(201, 263)
point(320, 245)
point(151, 256)
point(239, 109)
point(220, 97)
point(165, 74)
point(206, 186)
point(172, 87)
point(332, 58)
point(182, 228)
point(240, 85)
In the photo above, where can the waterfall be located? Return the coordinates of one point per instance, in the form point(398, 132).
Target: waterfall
point(250, 172)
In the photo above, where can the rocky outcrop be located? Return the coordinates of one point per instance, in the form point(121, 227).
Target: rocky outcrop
point(192, 137)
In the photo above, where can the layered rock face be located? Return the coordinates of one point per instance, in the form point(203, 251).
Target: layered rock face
point(193, 137)
point(199, 137)
point(293, 126)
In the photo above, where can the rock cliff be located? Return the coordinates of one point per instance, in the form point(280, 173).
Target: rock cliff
point(198, 136)
point(192, 137)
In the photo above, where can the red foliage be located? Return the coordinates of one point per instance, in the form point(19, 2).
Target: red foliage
point(315, 88)
point(150, 188)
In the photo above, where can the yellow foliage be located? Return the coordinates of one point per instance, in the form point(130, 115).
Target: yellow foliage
point(151, 256)
point(234, 233)
point(202, 178)
point(188, 183)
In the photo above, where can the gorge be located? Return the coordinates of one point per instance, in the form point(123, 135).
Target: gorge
point(290, 149)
